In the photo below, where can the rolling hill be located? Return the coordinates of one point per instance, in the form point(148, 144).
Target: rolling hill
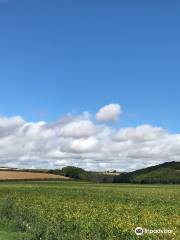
point(168, 172)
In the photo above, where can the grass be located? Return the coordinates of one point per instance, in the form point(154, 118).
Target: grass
point(8, 235)
point(86, 211)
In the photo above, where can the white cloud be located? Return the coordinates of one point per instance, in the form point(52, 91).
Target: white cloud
point(10, 122)
point(109, 112)
point(78, 129)
point(78, 141)
point(84, 145)
point(140, 133)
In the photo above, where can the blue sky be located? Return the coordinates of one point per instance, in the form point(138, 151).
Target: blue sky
point(68, 56)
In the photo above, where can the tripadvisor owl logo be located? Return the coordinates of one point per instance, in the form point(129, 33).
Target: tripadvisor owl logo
point(139, 231)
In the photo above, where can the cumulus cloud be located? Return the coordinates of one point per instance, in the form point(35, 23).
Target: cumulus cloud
point(108, 113)
point(84, 145)
point(78, 141)
point(78, 129)
point(10, 122)
point(9, 125)
point(140, 133)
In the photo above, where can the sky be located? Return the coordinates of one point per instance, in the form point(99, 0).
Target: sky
point(112, 66)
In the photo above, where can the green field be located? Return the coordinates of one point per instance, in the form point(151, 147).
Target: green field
point(85, 211)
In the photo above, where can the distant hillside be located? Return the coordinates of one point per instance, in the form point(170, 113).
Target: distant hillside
point(81, 174)
point(164, 173)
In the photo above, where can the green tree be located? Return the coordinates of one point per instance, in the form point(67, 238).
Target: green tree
point(73, 172)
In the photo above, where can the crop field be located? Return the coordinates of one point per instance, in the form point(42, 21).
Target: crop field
point(20, 175)
point(67, 210)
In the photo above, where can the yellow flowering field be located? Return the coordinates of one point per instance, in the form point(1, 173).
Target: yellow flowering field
point(86, 211)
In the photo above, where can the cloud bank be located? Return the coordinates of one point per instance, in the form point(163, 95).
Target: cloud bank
point(81, 141)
